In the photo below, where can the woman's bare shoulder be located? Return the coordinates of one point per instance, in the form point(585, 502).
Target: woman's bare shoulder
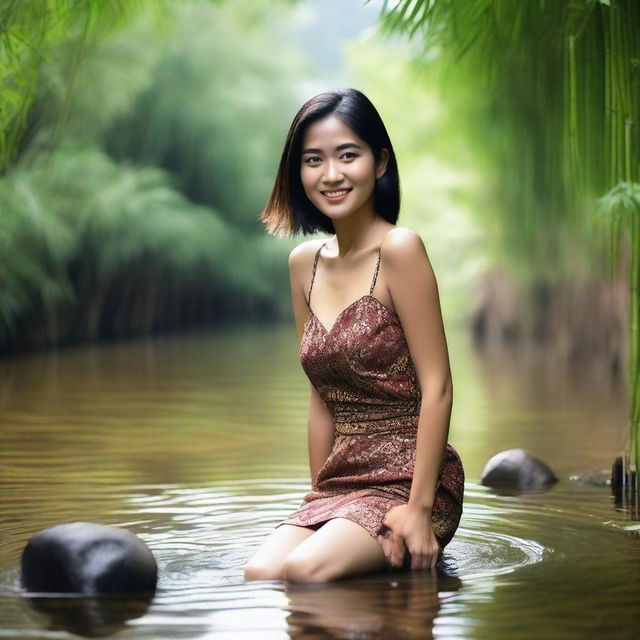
point(401, 241)
point(302, 254)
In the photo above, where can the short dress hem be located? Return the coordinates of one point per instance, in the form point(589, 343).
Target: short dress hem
point(368, 507)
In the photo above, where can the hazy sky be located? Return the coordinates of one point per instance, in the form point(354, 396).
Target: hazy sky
point(323, 27)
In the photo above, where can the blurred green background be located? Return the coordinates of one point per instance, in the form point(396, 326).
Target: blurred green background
point(140, 141)
point(149, 147)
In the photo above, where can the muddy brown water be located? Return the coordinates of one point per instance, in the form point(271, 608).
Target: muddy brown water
point(197, 443)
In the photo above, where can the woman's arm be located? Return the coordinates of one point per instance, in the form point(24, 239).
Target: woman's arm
point(413, 289)
point(321, 433)
point(321, 427)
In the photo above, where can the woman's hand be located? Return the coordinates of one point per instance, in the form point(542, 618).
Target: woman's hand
point(410, 529)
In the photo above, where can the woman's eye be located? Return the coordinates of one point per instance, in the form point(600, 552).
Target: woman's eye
point(347, 155)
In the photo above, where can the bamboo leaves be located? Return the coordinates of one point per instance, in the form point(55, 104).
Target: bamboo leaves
point(619, 210)
point(29, 31)
point(99, 241)
point(549, 92)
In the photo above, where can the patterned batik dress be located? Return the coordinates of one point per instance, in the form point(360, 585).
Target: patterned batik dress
point(363, 371)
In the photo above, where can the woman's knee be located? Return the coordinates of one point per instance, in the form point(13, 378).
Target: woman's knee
point(303, 568)
point(295, 569)
point(259, 571)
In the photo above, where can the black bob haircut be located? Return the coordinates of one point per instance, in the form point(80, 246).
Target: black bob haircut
point(288, 210)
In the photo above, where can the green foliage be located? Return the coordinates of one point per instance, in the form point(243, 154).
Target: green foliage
point(208, 114)
point(549, 94)
point(98, 249)
point(101, 245)
point(436, 170)
point(541, 90)
point(35, 247)
point(616, 212)
point(619, 213)
point(30, 30)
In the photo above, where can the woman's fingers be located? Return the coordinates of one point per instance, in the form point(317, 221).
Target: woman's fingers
point(417, 561)
point(386, 547)
point(436, 557)
point(427, 557)
point(424, 555)
point(394, 548)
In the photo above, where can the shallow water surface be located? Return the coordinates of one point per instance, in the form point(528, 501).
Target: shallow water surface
point(197, 443)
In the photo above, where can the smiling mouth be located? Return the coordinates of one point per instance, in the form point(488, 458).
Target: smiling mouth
point(337, 194)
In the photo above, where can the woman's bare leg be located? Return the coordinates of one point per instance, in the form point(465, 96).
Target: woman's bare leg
point(340, 548)
point(268, 561)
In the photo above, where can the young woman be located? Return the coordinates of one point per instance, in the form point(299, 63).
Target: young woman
point(387, 488)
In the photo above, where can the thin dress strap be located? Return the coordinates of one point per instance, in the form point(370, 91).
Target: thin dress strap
point(313, 274)
point(375, 275)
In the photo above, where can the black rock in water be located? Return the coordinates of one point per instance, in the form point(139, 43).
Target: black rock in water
point(517, 471)
point(86, 558)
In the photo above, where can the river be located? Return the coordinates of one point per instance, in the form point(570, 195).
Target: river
point(197, 443)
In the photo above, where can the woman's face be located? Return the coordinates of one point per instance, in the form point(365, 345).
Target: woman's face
point(337, 168)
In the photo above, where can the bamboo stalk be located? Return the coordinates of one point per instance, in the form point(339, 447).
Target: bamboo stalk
point(573, 112)
point(635, 337)
point(615, 106)
point(608, 144)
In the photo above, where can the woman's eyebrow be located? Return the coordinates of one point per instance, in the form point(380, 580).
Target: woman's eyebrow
point(340, 147)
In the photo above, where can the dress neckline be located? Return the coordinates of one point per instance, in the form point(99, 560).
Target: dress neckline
point(327, 332)
point(369, 295)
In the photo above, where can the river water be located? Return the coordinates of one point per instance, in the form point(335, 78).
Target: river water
point(197, 443)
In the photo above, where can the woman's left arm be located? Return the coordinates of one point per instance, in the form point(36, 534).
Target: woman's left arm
point(414, 290)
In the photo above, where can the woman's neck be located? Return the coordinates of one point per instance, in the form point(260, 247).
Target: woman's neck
point(355, 235)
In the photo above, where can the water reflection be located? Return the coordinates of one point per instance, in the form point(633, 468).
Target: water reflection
point(380, 608)
point(91, 617)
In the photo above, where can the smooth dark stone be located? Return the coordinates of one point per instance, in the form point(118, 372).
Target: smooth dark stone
point(81, 557)
point(617, 479)
point(517, 471)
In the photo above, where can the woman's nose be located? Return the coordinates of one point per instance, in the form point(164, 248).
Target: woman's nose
point(332, 173)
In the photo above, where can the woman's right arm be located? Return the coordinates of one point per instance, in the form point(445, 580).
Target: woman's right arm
point(321, 433)
point(321, 428)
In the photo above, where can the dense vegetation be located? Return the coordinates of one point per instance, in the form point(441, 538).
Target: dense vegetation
point(138, 141)
point(549, 96)
point(131, 203)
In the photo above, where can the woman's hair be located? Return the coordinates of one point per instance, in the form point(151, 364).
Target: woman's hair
point(289, 210)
